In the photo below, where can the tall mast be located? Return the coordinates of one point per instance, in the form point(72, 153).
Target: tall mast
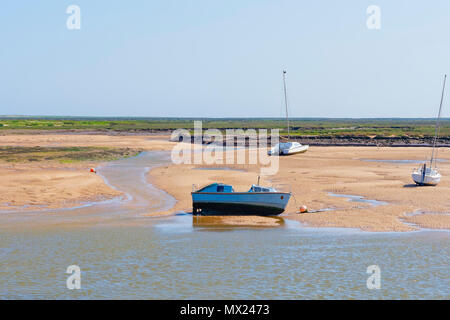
point(437, 125)
point(286, 102)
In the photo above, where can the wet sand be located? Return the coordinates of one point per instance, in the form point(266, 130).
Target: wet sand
point(50, 184)
point(150, 142)
point(29, 187)
point(311, 176)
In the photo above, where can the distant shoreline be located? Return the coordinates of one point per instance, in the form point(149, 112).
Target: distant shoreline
point(111, 118)
point(324, 141)
point(376, 132)
point(305, 127)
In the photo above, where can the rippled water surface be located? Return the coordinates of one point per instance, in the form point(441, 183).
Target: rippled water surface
point(123, 254)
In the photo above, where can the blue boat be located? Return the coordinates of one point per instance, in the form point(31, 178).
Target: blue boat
point(221, 199)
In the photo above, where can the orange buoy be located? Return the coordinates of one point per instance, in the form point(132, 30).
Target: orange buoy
point(303, 209)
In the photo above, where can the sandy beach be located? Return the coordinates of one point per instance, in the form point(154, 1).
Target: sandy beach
point(147, 142)
point(30, 186)
point(322, 171)
point(312, 177)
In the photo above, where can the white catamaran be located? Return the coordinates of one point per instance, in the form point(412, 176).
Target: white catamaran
point(287, 148)
point(430, 176)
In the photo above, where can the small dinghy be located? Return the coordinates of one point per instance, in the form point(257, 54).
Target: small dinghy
point(430, 176)
point(221, 199)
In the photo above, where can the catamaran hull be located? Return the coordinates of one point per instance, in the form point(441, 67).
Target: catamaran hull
point(264, 204)
point(301, 149)
point(287, 151)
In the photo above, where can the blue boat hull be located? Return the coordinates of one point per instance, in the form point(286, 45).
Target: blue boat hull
point(239, 203)
point(234, 209)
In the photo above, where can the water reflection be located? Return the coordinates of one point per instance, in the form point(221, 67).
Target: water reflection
point(230, 222)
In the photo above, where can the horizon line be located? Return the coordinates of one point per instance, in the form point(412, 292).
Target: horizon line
point(3, 117)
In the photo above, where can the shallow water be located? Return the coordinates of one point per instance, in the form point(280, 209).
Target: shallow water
point(354, 198)
point(401, 161)
point(128, 176)
point(123, 254)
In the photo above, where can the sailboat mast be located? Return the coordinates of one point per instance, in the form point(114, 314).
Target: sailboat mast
point(437, 125)
point(286, 102)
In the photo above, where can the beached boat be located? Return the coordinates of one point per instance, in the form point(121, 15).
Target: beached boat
point(287, 148)
point(290, 147)
point(430, 176)
point(426, 176)
point(221, 199)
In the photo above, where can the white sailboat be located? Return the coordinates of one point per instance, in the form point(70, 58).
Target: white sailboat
point(290, 147)
point(430, 176)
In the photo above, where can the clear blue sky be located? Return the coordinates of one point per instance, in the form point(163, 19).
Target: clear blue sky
point(224, 58)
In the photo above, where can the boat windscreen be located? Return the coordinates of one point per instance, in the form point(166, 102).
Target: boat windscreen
point(261, 189)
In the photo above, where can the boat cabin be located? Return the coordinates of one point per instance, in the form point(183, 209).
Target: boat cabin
point(221, 187)
point(217, 187)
